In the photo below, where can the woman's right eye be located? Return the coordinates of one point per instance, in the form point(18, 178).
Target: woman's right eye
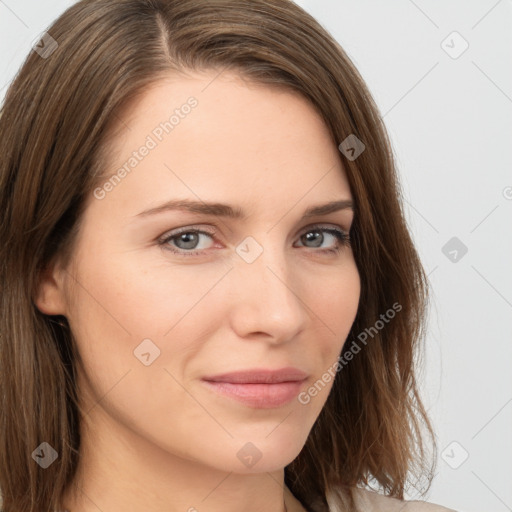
point(186, 240)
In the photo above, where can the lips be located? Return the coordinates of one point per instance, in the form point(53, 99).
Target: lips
point(263, 389)
point(260, 376)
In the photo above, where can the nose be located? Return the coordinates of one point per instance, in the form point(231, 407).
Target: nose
point(267, 298)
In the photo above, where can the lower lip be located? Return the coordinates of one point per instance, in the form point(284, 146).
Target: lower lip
point(258, 395)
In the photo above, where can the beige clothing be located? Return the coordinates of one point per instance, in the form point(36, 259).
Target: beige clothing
point(370, 501)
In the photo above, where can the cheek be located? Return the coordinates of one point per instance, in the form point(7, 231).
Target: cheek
point(335, 305)
point(125, 309)
point(137, 330)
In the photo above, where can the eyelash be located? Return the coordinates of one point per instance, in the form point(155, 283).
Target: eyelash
point(342, 237)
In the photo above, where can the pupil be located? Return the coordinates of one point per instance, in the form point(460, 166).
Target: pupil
point(315, 236)
point(188, 238)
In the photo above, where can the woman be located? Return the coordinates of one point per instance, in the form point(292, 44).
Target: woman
point(210, 299)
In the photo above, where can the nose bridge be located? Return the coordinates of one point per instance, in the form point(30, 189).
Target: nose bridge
point(267, 300)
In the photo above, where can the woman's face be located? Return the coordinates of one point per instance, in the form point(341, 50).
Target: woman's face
point(154, 312)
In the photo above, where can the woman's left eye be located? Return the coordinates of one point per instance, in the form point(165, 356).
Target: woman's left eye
point(187, 240)
point(315, 235)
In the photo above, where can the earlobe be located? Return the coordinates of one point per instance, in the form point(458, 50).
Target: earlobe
point(49, 298)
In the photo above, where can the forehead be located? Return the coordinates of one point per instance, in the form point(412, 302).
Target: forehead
point(189, 136)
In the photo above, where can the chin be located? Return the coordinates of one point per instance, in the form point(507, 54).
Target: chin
point(260, 453)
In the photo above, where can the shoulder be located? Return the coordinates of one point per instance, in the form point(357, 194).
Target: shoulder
point(372, 501)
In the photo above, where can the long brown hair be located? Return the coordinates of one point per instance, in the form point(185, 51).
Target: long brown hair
point(54, 126)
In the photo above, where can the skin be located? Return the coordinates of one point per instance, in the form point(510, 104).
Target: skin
point(155, 438)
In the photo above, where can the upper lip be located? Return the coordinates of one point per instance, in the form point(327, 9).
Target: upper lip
point(260, 376)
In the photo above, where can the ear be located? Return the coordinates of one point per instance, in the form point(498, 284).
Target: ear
point(50, 297)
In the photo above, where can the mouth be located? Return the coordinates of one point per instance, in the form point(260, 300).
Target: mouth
point(259, 388)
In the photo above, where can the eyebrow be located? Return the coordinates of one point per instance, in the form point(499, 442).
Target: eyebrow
point(225, 210)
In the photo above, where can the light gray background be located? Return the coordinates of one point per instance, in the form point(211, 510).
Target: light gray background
point(450, 121)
